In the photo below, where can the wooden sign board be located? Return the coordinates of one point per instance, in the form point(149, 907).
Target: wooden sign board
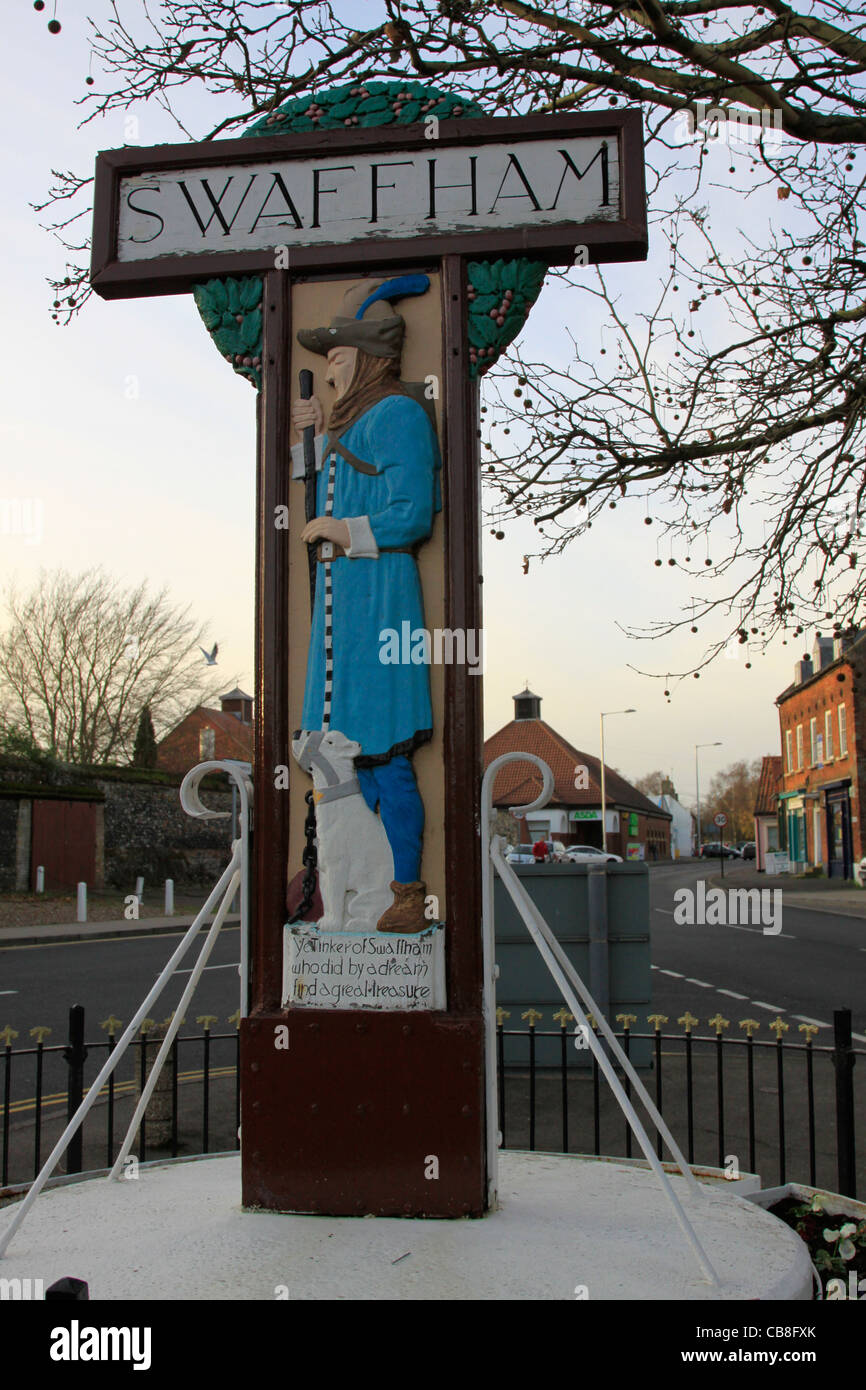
point(170, 216)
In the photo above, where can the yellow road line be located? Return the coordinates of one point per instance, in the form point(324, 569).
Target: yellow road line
point(18, 1107)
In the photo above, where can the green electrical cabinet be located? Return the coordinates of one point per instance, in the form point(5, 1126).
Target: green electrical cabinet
point(601, 916)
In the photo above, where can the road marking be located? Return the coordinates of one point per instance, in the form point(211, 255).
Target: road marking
point(8, 991)
point(773, 1008)
point(674, 973)
point(668, 912)
point(801, 1018)
point(732, 993)
point(703, 984)
point(232, 965)
point(103, 940)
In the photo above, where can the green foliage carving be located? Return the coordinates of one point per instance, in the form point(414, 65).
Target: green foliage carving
point(231, 309)
point(501, 294)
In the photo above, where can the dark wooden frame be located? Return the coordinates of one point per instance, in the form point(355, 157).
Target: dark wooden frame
point(620, 240)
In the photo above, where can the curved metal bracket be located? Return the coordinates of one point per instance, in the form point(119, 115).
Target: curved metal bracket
point(189, 788)
point(240, 774)
point(489, 781)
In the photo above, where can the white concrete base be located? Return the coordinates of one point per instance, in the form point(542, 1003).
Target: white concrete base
point(564, 1224)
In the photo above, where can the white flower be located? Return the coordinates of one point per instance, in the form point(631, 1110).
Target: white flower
point(847, 1250)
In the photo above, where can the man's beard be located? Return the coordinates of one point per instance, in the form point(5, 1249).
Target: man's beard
point(373, 379)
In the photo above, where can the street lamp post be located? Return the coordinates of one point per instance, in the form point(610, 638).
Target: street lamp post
point(603, 811)
point(717, 744)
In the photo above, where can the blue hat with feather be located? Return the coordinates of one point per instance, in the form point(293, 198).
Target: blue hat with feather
point(367, 318)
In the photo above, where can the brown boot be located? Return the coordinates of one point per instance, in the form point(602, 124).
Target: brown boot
point(406, 913)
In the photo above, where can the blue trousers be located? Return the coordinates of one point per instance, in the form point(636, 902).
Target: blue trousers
point(392, 788)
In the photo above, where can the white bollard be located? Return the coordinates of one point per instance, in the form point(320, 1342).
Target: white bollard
point(40, 879)
point(82, 902)
point(169, 897)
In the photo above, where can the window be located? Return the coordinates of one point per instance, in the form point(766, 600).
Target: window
point(813, 742)
point(828, 735)
point(789, 750)
point(799, 746)
point(843, 731)
point(207, 744)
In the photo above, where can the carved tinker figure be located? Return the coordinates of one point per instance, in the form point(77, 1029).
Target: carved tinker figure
point(377, 492)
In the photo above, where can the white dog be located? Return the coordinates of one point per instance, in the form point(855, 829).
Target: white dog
point(356, 865)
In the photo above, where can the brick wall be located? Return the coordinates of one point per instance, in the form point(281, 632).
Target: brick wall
point(144, 828)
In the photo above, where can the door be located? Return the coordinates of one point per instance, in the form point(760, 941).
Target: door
point(63, 841)
point(839, 846)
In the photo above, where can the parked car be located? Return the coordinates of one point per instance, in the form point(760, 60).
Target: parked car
point(520, 854)
point(748, 849)
point(714, 850)
point(590, 854)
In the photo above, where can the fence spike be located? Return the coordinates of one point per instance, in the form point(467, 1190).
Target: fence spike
point(779, 1027)
point(563, 1017)
point(719, 1024)
point(111, 1024)
point(626, 1020)
point(810, 1029)
point(657, 1020)
point(532, 1015)
point(689, 1021)
point(39, 1032)
point(751, 1025)
point(501, 1015)
point(167, 1022)
point(206, 1020)
point(147, 1024)
point(235, 1018)
point(7, 1034)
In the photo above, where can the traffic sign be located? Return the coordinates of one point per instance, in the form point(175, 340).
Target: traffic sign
point(720, 819)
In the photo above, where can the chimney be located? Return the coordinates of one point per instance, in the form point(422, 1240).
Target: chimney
point(803, 670)
point(527, 705)
point(822, 651)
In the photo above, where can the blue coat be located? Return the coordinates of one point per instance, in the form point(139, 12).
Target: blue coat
point(385, 707)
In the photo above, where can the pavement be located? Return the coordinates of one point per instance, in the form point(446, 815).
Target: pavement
point(841, 897)
point(95, 931)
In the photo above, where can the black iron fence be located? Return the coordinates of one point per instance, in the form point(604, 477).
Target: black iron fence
point(197, 1103)
point(786, 1109)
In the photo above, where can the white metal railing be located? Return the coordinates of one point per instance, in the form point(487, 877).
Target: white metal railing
point(235, 874)
point(579, 1001)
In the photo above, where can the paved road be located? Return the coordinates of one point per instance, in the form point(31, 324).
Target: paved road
point(38, 983)
point(816, 964)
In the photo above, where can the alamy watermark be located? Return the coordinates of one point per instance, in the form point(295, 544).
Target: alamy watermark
point(22, 516)
point(730, 125)
point(729, 907)
point(444, 646)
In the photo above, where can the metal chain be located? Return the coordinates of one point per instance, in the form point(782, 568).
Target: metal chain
point(309, 859)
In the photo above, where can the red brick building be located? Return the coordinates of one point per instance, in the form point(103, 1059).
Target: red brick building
point(767, 810)
point(210, 733)
point(636, 829)
point(821, 717)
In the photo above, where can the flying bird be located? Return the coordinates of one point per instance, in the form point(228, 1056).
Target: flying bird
point(210, 657)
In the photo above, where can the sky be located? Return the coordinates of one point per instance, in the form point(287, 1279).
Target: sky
point(138, 442)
